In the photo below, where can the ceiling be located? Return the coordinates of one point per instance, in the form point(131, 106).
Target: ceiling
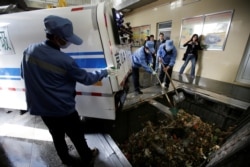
point(12, 6)
point(125, 6)
point(129, 5)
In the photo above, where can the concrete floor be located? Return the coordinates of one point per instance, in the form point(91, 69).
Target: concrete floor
point(26, 142)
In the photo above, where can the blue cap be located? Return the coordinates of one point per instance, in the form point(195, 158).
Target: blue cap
point(61, 27)
point(150, 46)
point(169, 45)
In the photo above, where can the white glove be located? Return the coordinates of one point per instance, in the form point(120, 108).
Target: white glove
point(153, 73)
point(151, 65)
point(112, 71)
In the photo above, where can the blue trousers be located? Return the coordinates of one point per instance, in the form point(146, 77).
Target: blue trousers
point(191, 58)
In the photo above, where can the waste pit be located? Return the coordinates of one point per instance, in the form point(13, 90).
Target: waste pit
point(196, 136)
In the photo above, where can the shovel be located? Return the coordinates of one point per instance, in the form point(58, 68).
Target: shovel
point(178, 97)
point(172, 108)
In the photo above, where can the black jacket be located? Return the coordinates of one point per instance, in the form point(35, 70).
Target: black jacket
point(192, 48)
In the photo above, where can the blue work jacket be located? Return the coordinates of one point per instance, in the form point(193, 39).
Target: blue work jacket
point(50, 78)
point(142, 59)
point(168, 59)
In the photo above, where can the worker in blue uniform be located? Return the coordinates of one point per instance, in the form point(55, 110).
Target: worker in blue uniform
point(166, 57)
point(142, 57)
point(50, 78)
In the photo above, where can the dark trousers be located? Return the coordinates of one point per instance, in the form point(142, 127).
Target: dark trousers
point(136, 77)
point(154, 61)
point(162, 74)
point(70, 125)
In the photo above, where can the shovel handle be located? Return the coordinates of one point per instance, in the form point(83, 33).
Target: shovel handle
point(171, 105)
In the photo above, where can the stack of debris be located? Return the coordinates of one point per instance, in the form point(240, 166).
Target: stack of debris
point(184, 142)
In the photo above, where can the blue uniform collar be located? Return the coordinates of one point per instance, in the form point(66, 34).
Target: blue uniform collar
point(51, 44)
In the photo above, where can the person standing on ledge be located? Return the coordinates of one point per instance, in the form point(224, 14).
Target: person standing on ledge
point(50, 78)
point(191, 54)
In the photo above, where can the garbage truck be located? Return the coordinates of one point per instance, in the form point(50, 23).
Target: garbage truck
point(101, 48)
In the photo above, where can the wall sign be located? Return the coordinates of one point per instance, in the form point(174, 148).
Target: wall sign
point(213, 29)
point(5, 43)
point(189, 27)
point(139, 34)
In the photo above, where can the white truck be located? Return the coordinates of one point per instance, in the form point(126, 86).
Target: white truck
point(95, 24)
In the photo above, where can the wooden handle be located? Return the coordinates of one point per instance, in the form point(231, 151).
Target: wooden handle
point(170, 79)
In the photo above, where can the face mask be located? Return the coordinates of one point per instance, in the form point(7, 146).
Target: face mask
point(65, 45)
point(62, 43)
point(169, 51)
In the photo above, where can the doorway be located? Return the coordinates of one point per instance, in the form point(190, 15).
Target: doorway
point(165, 28)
